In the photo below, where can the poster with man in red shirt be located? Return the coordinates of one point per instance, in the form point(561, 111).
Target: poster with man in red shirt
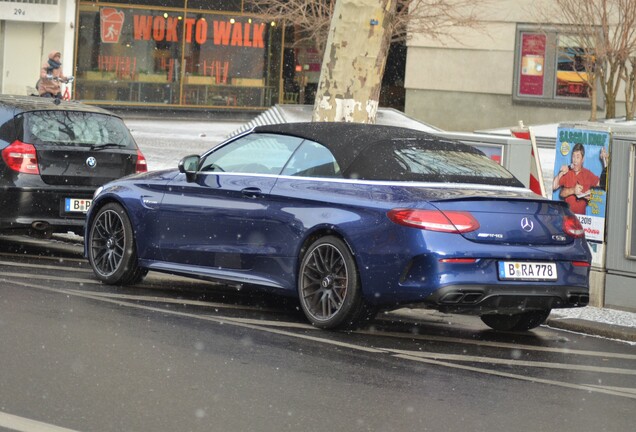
point(580, 176)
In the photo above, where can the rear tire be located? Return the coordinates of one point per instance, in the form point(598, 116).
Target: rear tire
point(329, 286)
point(518, 322)
point(111, 247)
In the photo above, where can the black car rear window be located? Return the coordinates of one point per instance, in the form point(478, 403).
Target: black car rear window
point(428, 161)
point(75, 128)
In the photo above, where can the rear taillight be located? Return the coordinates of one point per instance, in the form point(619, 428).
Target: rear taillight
point(141, 165)
point(435, 220)
point(580, 263)
point(458, 260)
point(573, 227)
point(21, 157)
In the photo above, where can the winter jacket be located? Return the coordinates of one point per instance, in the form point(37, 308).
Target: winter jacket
point(51, 68)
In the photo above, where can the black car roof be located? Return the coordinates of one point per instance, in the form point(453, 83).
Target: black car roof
point(21, 104)
point(347, 140)
point(336, 134)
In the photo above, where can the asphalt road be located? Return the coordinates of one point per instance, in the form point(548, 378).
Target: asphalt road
point(175, 354)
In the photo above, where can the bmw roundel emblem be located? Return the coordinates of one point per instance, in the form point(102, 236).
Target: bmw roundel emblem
point(526, 224)
point(91, 162)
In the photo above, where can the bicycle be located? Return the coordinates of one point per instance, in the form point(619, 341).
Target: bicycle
point(65, 96)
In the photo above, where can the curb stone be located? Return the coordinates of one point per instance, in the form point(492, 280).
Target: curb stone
point(594, 328)
point(587, 327)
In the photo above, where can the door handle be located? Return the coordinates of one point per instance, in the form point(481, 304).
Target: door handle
point(251, 192)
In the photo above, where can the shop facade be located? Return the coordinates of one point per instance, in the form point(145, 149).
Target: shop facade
point(177, 53)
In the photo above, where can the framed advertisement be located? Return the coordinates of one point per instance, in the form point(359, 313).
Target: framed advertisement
point(580, 176)
point(532, 68)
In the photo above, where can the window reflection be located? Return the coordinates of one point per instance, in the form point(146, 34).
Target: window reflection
point(172, 56)
point(74, 128)
point(572, 65)
point(254, 153)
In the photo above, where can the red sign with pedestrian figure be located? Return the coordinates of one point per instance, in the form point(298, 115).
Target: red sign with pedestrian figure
point(112, 21)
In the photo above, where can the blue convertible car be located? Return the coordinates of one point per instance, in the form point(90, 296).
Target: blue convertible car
point(351, 219)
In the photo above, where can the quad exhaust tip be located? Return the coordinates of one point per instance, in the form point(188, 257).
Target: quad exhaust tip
point(578, 299)
point(462, 298)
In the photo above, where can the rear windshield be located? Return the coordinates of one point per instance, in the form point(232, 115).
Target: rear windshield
point(428, 161)
point(75, 128)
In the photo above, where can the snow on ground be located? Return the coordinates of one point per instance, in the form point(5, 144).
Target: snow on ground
point(603, 315)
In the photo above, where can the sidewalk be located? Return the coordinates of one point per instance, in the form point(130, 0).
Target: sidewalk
point(604, 322)
point(165, 142)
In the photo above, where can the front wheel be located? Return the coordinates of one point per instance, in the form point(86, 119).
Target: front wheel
point(517, 322)
point(111, 247)
point(328, 285)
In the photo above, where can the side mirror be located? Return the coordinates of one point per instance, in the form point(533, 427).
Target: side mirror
point(189, 165)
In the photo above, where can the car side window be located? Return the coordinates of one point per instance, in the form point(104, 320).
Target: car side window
point(312, 160)
point(8, 130)
point(254, 154)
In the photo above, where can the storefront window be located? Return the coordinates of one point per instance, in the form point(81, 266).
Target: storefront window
point(217, 5)
point(159, 56)
point(165, 3)
point(227, 61)
point(550, 68)
point(571, 76)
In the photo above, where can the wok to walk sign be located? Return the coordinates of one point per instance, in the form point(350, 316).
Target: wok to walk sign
point(580, 176)
point(167, 28)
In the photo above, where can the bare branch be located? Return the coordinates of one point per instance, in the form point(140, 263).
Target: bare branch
point(606, 31)
point(433, 18)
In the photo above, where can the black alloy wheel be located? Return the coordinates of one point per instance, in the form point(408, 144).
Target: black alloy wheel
point(111, 251)
point(328, 285)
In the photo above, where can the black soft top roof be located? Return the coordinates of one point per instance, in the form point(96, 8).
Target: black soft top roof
point(22, 104)
point(347, 140)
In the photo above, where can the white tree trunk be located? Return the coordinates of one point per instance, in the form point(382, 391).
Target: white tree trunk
point(354, 60)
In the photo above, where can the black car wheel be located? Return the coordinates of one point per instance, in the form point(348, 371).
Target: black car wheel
point(328, 285)
point(111, 250)
point(517, 322)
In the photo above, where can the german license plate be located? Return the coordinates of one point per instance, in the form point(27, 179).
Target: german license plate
point(76, 205)
point(515, 270)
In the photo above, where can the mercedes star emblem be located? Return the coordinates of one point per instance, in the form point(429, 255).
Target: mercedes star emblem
point(526, 224)
point(91, 162)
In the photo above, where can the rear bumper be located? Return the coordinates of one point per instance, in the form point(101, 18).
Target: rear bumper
point(476, 287)
point(41, 209)
point(485, 299)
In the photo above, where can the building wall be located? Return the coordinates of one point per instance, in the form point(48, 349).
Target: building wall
point(466, 82)
point(22, 56)
point(26, 40)
point(471, 111)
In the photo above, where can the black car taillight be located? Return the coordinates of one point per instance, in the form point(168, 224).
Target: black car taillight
point(435, 220)
point(573, 227)
point(141, 165)
point(21, 157)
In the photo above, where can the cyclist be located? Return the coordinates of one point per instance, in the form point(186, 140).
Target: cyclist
point(51, 76)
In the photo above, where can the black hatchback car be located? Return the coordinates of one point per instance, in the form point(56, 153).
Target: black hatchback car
point(54, 156)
